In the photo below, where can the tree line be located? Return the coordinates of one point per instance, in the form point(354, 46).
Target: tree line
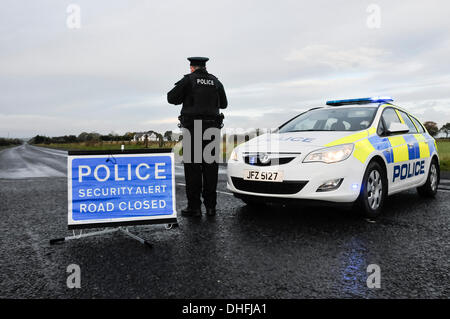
point(433, 129)
point(94, 137)
point(10, 141)
point(83, 137)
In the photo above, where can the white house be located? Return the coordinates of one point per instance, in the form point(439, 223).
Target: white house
point(140, 137)
point(441, 134)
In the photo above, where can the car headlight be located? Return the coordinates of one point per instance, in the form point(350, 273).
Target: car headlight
point(331, 154)
point(234, 156)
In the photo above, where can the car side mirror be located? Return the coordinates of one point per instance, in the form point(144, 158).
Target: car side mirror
point(397, 128)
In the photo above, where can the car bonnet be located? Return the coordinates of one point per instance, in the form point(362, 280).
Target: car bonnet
point(300, 141)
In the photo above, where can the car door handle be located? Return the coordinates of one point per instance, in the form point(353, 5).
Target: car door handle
point(411, 145)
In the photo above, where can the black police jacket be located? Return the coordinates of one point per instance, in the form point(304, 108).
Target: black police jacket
point(201, 93)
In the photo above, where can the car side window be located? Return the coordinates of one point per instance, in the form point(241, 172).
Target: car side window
point(381, 130)
point(419, 126)
point(411, 126)
point(389, 116)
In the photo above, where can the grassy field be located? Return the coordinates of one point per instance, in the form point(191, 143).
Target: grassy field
point(104, 146)
point(443, 147)
point(444, 154)
point(117, 146)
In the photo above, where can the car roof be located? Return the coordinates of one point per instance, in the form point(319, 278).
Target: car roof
point(337, 107)
point(373, 104)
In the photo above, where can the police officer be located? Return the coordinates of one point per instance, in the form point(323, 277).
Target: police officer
point(202, 96)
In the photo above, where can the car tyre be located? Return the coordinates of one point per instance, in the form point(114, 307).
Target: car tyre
point(429, 189)
point(373, 191)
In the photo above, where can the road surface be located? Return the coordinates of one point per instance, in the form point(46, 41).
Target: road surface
point(27, 161)
point(241, 253)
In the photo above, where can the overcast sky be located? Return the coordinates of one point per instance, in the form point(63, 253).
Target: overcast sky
point(275, 59)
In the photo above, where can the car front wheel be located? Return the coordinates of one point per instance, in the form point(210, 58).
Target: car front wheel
point(373, 191)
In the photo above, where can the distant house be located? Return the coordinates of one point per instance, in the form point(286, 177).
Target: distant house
point(441, 134)
point(173, 137)
point(140, 137)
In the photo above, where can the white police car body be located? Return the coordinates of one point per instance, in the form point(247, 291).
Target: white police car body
point(358, 150)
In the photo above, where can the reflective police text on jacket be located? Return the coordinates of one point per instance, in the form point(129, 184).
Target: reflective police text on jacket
point(201, 93)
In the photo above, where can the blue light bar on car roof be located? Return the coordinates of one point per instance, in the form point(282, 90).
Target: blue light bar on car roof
point(365, 100)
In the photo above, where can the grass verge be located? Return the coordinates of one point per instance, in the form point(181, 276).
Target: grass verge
point(444, 154)
point(101, 146)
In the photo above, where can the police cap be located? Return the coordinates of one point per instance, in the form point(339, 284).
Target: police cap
point(198, 61)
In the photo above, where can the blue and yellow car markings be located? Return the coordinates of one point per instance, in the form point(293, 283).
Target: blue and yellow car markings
point(363, 149)
point(382, 144)
point(350, 138)
point(413, 146)
point(399, 148)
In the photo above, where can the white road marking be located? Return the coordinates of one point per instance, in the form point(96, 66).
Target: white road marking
point(226, 193)
point(50, 151)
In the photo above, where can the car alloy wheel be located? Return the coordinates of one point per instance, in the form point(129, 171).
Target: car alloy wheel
point(374, 189)
point(433, 177)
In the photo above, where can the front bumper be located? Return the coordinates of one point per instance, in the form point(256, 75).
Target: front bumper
point(301, 180)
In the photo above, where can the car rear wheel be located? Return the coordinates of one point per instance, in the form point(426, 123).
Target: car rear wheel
point(373, 191)
point(429, 189)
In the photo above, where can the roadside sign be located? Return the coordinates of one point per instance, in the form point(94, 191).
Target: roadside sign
point(116, 188)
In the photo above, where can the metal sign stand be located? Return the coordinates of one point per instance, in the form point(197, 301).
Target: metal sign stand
point(123, 230)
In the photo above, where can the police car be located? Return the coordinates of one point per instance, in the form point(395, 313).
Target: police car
point(350, 151)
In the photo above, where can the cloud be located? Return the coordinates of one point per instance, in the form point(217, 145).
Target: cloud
point(169, 120)
point(339, 59)
point(275, 60)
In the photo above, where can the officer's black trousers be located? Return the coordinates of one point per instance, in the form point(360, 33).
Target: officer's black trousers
point(199, 170)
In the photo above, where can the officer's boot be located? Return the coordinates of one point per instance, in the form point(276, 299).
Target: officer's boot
point(210, 211)
point(191, 212)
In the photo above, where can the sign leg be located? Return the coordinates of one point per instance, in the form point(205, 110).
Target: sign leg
point(102, 232)
point(94, 233)
point(139, 239)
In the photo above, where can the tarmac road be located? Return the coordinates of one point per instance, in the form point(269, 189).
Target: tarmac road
point(241, 253)
point(27, 161)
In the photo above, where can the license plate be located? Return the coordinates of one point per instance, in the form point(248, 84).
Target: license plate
point(263, 176)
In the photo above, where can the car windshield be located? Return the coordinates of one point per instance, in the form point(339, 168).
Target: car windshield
point(331, 119)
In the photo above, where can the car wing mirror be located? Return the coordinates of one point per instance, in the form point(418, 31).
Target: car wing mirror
point(397, 128)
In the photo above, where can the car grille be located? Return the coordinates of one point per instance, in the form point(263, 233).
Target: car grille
point(273, 161)
point(287, 187)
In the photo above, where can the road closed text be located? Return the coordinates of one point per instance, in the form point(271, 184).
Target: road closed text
point(122, 206)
